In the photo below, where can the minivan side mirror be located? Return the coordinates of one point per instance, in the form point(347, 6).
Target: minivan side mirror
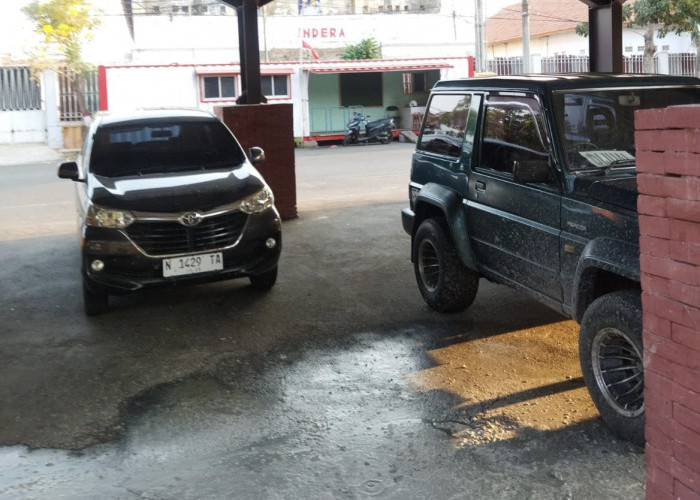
point(528, 171)
point(69, 170)
point(256, 155)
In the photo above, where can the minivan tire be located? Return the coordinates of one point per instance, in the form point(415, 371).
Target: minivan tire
point(611, 356)
point(94, 303)
point(264, 281)
point(445, 284)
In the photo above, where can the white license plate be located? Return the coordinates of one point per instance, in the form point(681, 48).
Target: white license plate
point(192, 264)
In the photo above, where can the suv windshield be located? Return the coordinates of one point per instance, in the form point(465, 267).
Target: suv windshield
point(162, 146)
point(598, 125)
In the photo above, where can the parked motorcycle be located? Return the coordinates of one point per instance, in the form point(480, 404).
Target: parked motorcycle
point(360, 130)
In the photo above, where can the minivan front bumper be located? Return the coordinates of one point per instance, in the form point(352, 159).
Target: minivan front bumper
point(126, 267)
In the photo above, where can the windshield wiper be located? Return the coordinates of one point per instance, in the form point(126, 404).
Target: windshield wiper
point(620, 165)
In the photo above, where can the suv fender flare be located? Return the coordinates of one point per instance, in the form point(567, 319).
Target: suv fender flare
point(449, 203)
point(613, 257)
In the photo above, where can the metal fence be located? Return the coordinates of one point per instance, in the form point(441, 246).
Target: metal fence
point(18, 90)
point(505, 65)
point(679, 64)
point(682, 64)
point(77, 94)
point(565, 64)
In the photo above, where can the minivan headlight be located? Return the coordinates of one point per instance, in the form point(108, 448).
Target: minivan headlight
point(105, 217)
point(260, 201)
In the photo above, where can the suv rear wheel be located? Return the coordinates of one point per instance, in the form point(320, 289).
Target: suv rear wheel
point(445, 284)
point(610, 351)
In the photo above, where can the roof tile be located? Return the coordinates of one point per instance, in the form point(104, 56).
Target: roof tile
point(547, 17)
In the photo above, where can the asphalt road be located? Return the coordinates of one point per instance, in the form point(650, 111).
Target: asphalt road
point(338, 383)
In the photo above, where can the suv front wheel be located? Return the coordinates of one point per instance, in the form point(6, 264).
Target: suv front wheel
point(610, 351)
point(445, 284)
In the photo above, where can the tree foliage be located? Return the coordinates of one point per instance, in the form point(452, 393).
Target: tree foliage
point(64, 25)
point(671, 16)
point(366, 49)
point(582, 28)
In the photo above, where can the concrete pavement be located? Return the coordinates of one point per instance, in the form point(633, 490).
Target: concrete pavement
point(20, 154)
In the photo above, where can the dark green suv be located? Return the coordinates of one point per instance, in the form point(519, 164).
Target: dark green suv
point(531, 182)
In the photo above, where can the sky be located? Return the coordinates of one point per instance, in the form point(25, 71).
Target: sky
point(17, 35)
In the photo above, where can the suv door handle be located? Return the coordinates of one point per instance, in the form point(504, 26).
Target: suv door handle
point(480, 186)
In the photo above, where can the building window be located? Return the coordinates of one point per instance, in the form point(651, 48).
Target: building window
point(413, 82)
point(274, 85)
point(219, 87)
point(628, 48)
point(361, 89)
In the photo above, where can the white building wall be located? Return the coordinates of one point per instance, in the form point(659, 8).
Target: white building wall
point(214, 39)
point(151, 87)
point(17, 127)
point(574, 45)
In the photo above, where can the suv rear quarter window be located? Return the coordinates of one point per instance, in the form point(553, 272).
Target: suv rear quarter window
point(444, 124)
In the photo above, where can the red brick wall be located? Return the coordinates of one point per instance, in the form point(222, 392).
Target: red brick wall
point(271, 127)
point(668, 162)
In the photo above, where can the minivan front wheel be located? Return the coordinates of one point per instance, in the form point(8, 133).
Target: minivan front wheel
point(94, 303)
point(445, 284)
point(264, 281)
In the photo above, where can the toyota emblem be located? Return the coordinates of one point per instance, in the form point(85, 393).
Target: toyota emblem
point(190, 219)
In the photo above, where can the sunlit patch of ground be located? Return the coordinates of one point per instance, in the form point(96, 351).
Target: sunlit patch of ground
point(523, 379)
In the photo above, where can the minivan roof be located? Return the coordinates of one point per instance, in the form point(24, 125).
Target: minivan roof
point(112, 117)
point(542, 83)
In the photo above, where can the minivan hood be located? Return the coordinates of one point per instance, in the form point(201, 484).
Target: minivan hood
point(176, 192)
point(618, 191)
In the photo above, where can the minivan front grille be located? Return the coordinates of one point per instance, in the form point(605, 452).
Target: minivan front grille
point(171, 237)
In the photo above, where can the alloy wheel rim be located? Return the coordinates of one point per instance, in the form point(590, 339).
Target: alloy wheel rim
point(619, 371)
point(429, 265)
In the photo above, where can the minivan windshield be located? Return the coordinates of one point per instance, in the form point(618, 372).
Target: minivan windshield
point(162, 146)
point(597, 126)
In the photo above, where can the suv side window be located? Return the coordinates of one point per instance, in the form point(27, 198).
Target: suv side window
point(444, 125)
point(513, 131)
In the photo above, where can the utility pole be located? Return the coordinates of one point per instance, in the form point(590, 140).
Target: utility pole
point(480, 35)
point(526, 37)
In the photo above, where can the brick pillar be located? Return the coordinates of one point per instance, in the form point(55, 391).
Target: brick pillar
point(271, 127)
point(668, 165)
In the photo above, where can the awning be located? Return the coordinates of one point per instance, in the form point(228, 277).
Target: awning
point(367, 66)
point(235, 69)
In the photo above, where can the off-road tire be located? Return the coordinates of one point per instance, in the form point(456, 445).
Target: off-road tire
point(611, 355)
point(264, 281)
point(94, 303)
point(445, 284)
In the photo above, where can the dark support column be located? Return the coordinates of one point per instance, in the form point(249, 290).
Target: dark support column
point(605, 36)
point(252, 52)
point(241, 46)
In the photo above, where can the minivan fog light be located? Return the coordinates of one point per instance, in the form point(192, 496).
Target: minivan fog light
point(271, 243)
point(97, 265)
